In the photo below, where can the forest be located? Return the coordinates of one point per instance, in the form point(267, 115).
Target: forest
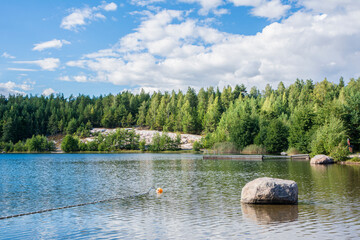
point(305, 117)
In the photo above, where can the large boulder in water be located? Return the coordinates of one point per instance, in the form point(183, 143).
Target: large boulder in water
point(321, 159)
point(270, 191)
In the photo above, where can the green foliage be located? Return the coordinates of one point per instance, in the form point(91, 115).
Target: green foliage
point(237, 125)
point(354, 159)
point(340, 152)
point(230, 115)
point(142, 114)
point(254, 149)
point(188, 119)
point(142, 145)
point(261, 136)
point(301, 128)
point(328, 137)
point(212, 116)
point(224, 147)
point(196, 146)
point(72, 126)
point(92, 146)
point(164, 142)
point(155, 143)
point(36, 143)
point(70, 144)
point(39, 144)
point(276, 137)
point(84, 130)
point(292, 151)
point(83, 146)
point(121, 139)
point(20, 147)
point(6, 147)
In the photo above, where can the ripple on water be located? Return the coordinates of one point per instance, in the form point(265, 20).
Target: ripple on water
point(201, 199)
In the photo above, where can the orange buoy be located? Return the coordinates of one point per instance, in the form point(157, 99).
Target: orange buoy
point(159, 190)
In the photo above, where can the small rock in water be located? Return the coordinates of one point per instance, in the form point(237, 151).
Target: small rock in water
point(270, 191)
point(322, 159)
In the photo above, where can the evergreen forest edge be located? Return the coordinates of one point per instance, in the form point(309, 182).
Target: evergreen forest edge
point(304, 117)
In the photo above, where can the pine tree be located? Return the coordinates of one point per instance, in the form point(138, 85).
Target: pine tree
point(151, 114)
point(141, 121)
point(212, 116)
point(188, 120)
point(202, 107)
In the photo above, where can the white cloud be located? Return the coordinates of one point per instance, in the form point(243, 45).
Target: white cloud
point(11, 88)
point(81, 17)
point(77, 18)
point(26, 86)
point(102, 53)
point(271, 10)
point(22, 69)
point(80, 78)
point(55, 43)
point(206, 5)
point(330, 6)
point(6, 55)
point(48, 92)
point(79, 63)
point(170, 51)
point(221, 11)
point(109, 7)
point(250, 3)
point(48, 64)
point(145, 2)
point(65, 78)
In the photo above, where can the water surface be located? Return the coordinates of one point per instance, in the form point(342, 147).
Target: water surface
point(201, 198)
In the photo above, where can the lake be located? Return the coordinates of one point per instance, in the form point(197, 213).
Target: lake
point(201, 198)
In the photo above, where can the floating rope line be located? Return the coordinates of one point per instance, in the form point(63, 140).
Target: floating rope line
point(77, 205)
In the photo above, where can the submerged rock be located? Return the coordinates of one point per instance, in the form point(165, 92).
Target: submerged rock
point(322, 159)
point(270, 191)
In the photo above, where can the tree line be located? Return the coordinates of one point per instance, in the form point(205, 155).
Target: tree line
point(121, 139)
point(306, 116)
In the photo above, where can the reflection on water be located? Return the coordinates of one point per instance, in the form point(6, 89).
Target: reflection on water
point(267, 214)
point(201, 198)
point(321, 168)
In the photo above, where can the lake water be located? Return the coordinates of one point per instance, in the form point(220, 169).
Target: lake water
point(201, 198)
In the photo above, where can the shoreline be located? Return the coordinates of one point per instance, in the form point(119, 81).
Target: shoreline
point(114, 152)
point(348, 163)
point(244, 157)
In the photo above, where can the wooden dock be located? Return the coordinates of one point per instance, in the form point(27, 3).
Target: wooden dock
point(298, 157)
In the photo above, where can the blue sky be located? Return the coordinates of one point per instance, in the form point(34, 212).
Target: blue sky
point(100, 47)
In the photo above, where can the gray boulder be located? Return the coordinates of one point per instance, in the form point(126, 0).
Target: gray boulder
point(321, 159)
point(270, 191)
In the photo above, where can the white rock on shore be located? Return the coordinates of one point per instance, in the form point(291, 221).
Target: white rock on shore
point(187, 140)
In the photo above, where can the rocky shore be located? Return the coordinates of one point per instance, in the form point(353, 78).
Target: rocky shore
point(187, 140)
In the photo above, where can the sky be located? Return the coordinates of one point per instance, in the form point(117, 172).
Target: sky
point(101, 47)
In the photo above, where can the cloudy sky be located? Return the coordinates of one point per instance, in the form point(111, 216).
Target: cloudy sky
point(100, 47)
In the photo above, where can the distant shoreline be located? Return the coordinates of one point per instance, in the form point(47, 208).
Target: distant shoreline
point(114, 152)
